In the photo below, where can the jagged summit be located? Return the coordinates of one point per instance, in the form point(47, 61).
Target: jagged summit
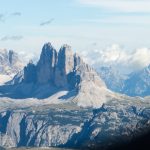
point(46, 64)
point(47, 52)
point(30, 73)
point(47, 45)
point(59, 72)
point(10, 56)
point(60, 68)
point(66, 47)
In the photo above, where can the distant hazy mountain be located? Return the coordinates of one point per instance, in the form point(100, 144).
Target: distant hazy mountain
point(10, 64)
point(112, 77)
point(135, 84)
point(138, 83)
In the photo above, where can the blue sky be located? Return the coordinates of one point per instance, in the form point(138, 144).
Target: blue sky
point(25, 25)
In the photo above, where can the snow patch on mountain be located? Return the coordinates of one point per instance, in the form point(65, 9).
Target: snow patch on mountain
point(10, 64)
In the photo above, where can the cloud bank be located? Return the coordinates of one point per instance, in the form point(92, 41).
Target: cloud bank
point(123, 60)
point(28, 56)
point(120, 5)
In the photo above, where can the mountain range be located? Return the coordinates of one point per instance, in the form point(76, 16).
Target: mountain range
point(63, 102)
point(138, 83)
point(134, 84)
point(61, 73)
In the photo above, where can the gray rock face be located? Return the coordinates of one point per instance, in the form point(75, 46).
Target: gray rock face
point(113, 124)
point(64, 70)
point(46, 64)
point(71, 126)
point(87, 73)
point(47, 129)
point(65, 65)
point(30, 73)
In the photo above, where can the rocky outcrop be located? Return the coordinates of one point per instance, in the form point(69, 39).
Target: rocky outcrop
point(118, 121)
point(46, 65)
point(65, 66)
point(30, 73)
point(12, 57)
point(59, 72)
point(28, 129)
point(64, 69)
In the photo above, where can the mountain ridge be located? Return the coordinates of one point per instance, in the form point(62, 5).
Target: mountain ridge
point(134, 84)
point(56, 72)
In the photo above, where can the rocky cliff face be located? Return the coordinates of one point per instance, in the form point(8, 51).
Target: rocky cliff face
point(65, 66)
point(50, 128)
point(63, 69)
point(65, 125)
point(30, 73)
point(46, 65)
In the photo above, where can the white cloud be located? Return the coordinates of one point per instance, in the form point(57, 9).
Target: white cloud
point(121, 5)
point(123, 60)
point(26, 57)
point(121, 20)
point(140, 58)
